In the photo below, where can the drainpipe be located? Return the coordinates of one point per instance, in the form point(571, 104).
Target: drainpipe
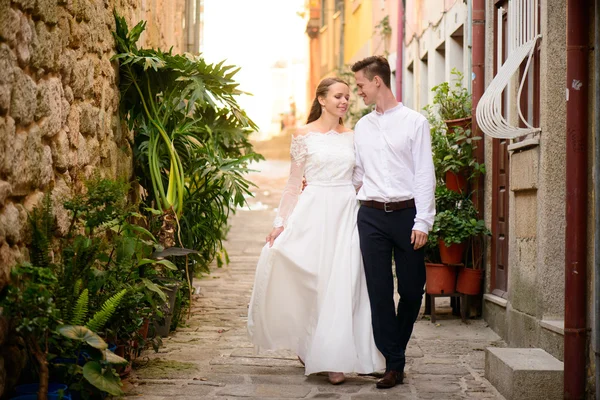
point(188, 26)
point(469, 45)
point(576, 201)
point(400, 51)
point(597, 198)
point(342, 30)
point(197, 27)
point(478, 87)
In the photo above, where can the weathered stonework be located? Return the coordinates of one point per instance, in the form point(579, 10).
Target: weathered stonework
point(59, 102)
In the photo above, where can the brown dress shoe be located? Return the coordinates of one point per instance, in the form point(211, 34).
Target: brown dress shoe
point(390, 379)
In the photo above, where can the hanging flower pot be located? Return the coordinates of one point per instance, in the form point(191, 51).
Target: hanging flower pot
point(452, 254)
point(441, 278)
point(457, 182)
point(469, 281)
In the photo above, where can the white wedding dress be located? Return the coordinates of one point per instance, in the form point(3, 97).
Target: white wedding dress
point(310, 294)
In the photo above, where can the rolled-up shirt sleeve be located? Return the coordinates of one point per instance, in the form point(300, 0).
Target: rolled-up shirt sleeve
point(424, 184)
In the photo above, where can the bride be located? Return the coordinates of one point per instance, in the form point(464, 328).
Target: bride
point(310, 294)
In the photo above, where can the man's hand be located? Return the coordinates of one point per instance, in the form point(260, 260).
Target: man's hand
point(273, 235)
point(418, 239)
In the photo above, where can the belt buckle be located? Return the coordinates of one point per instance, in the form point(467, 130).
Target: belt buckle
point(385, 208)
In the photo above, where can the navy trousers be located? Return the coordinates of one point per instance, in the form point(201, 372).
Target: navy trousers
point(383, 235)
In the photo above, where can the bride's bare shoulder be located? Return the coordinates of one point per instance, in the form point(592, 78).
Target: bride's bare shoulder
point(302, 130)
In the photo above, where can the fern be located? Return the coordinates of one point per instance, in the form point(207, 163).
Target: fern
point(77, 287)
point(42, 227)
point(81, 308)
point(108, 308)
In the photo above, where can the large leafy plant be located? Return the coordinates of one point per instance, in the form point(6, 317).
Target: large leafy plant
point(183, 109)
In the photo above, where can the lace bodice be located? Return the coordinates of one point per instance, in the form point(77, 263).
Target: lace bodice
point(321, 158)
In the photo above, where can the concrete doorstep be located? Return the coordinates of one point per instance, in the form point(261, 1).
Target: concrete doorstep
point(524, 374)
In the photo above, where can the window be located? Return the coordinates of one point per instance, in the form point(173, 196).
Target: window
point(509, 108)
point(324, 13)
point(424, 91)
point(456, 52)
point(408, 87)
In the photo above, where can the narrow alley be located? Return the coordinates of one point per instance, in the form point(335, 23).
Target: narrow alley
point(212, 358)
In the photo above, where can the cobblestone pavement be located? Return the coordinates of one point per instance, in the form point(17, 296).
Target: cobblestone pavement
point(212, 358)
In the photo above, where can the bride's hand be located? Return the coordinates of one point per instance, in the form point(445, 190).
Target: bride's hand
point(273, 235)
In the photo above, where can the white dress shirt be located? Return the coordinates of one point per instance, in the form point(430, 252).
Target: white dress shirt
point(394, 161)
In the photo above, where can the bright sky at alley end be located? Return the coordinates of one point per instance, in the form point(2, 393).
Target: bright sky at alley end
point(254, 35)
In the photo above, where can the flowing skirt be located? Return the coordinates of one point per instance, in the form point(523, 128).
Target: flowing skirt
point(310, 294)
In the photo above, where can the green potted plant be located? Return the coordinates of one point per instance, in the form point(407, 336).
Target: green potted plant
point(457, 225)
point(450, 114)
point(458, 161)
point(441, 277)
point(453, 102)
point(454, 227)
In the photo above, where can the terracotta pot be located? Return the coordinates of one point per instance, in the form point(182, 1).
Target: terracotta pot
point(464, 123)
point(120, 350)
point(452, 254)
point(469, 281)
point(124, 370)
point(441, 278)
point(143, 332)
point(456, 182)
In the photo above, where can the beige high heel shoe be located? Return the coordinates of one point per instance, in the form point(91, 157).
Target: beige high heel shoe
point(335, 378)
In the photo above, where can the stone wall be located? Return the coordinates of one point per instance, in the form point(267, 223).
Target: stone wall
point(59, 100)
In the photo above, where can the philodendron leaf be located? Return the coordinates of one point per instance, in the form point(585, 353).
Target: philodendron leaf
point(102, 378)
point(167, 264)
point(154, 287)
point(83, 334)
point(112, 358)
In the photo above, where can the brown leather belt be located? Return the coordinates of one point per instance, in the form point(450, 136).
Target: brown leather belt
point(389, 207)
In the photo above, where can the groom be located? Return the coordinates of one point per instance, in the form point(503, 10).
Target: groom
point(394, 165)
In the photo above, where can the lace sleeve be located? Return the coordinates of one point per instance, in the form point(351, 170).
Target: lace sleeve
point(293, 188)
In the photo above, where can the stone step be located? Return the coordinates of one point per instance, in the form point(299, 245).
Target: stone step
point(524, 374)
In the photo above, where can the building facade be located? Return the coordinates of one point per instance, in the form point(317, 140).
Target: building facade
point(527, 186)
point(342, 32)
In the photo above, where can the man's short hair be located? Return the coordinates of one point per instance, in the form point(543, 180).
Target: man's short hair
point(375, 65)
